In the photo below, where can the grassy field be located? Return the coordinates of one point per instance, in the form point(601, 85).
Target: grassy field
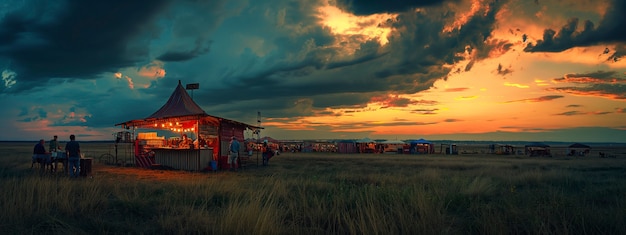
point(322, 194)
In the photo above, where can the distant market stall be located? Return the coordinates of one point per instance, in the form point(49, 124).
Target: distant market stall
point(196, 139)
point(537, 149)
point(578, 149)
point(421, 146)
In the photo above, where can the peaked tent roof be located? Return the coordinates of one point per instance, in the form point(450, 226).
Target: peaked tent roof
point(179, 104)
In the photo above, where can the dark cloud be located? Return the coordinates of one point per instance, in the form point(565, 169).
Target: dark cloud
point(368, 7)
point(570, 113)
point(609, 30)
point(83, 39)
point(503, 71)
point(425, 111)
point(393, 101)
point(604, 90)
point(574, 113)
point(605, 84)
point(200, 48)
point(620, 51)
point(538, 99)
point(599, 76)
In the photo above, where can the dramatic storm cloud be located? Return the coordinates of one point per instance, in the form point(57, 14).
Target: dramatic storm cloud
point(316, 68)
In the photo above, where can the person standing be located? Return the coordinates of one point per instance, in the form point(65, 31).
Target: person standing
point(73, 154)
point(54, 148)
point(233, 149)
point(267, 153)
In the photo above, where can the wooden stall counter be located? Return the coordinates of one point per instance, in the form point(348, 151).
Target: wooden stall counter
point(183, 159)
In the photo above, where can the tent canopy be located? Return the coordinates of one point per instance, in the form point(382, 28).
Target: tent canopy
point(180, 108)
point(179, 104)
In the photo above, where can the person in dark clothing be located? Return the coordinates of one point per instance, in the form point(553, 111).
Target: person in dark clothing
point(267, 153)
point(73, 154)
point(39, 154)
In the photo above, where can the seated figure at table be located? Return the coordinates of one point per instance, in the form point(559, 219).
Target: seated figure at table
point(199, 142)
point(185, 143)
point(40, 155)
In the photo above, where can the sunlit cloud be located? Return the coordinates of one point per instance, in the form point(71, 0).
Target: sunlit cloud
point(538, 99)
point(458, 89)
point(347, 24)
point(154, 70)
point(464, 17)
point(540, 82)
point(466, 97)
point(9, 78)
point(515, 85)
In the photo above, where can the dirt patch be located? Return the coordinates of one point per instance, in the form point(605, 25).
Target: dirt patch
point(148, 174)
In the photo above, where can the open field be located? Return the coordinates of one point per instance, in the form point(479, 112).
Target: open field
point(316, 193)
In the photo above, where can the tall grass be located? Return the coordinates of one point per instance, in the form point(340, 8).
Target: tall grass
point(324, 194)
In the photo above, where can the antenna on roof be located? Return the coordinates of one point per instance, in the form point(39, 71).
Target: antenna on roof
point(192, 86)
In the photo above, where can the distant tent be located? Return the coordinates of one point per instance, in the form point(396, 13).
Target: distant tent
point(346, 146)
point(366, 145)
point(578, 149)
point(537, 149)
point(395, 146)
point(422, 146)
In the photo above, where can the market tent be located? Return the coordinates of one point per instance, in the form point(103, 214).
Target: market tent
point(181, 114)
point(421, 146)
point(537, 149)
point(366, 145)
point(578, 149)
point(395, 146)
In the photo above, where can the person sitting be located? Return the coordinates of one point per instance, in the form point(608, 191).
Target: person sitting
point(185, 143)
point(40, 155)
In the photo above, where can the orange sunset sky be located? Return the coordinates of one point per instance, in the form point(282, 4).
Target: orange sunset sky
point(321, 69)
